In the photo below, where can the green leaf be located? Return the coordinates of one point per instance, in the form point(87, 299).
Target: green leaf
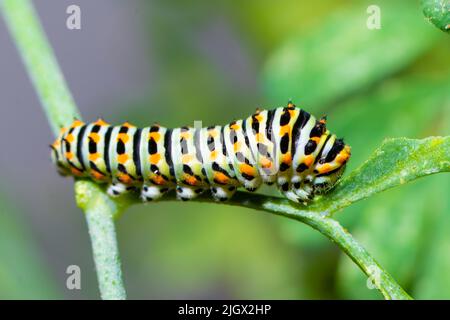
point(396, 162)
point(398, 232)
point(343, 56)
point(438, 13)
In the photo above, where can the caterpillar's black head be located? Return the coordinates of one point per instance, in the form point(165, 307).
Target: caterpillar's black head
point(330, 167)
point(57, 158)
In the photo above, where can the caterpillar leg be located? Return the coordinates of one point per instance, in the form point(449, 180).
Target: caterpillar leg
point(222, 193)
point(291, 195)
point(150, 192)
point(116, 189)
point(285, 187)
point(304, 193)
point(302, 189)
point(295, 190)
point(186, 193)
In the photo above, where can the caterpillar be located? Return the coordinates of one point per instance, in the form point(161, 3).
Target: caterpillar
point(286, 146)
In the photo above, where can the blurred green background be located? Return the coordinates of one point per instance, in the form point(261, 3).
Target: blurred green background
point(215, 62)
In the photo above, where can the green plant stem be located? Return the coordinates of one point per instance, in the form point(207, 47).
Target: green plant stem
point(329, 227)
point(101, 212)
point(60, 108)
point(332, 230)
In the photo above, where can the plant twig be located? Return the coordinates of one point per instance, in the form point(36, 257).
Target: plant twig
point(332, 230)
point(101, 212)
point(58, 104)
point(329, 227)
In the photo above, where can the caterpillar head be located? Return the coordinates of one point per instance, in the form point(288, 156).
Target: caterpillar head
point(322, 185)
point(330, 167)
point(57, 157)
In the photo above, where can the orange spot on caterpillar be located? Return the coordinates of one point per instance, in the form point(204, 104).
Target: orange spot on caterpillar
point(285, 129)
point(221, 178)
point(155, 135)
point(154, 158)
point(326, 167)
point(76, 172)
point(94, 156)
point(69, 155)
point(190, 180)
point(94, 136)
point(122, 158)
point(127, 124)
point(259, 117)
point(100, 122)
point(212, 133)
point(157, 179)
point(309, 159)
point(343, 155)
point(237, 146)
point(316, 140)
point(70, 138)
point(287, 158)
point(265, 163)
point(213, 155)
point(77, 123)
point(235, 126)
point(247, 169)
point(97, 175)
point(124, 178)
point(123, 136)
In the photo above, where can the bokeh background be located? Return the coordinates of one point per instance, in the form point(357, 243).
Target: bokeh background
point(175, 62)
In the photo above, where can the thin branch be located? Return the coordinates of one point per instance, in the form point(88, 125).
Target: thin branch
point(332, 230)
point(101, 212)
point(329, 227)
point(58, 104)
